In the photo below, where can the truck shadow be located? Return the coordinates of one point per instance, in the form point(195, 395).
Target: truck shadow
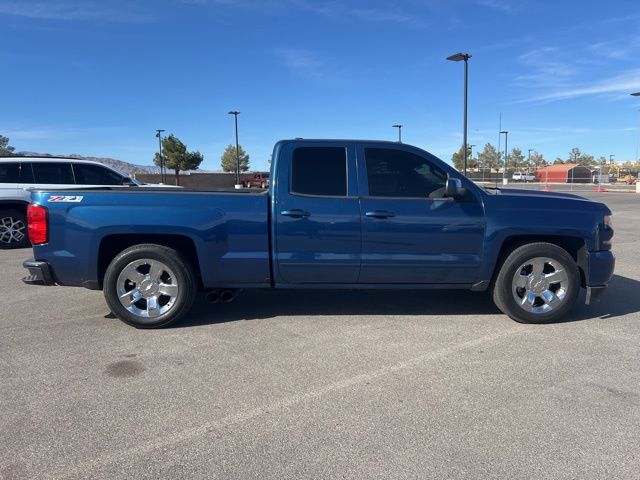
point(621, 299)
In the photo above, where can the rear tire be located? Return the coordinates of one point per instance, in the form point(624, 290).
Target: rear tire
point(149, 286)
point(537, 283)
point(13, 229)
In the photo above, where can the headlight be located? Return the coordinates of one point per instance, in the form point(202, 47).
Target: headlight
point(605, 233)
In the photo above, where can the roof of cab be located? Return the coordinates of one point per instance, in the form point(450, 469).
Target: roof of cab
point(18, 158)
point(342, 140)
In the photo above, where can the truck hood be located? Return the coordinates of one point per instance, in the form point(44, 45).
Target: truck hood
point(507, 196)
point(537, 193)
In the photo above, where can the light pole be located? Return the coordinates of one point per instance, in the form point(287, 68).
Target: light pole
point(637, 94)
point(399, 127)
point(504, 169)
point(457, 58)
point(471, 152)
point(529, 159)
point(159, 135)
point(235, 116)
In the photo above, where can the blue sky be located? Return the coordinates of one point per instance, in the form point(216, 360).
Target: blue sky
point(98, 77)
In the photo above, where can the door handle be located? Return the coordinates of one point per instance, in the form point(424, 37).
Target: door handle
point(379, 214)
point(295, 213)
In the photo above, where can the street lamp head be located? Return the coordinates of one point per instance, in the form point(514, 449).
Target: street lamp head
point(234, 113)
point(636, 94)
point(458, 57)
point(396, 126)
point(504, 131)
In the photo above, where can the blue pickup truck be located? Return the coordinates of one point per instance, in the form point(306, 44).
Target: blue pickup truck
point(338, 214)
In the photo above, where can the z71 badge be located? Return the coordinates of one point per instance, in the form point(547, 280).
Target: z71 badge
point(66, 198)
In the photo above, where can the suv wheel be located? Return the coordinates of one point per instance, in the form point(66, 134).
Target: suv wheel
point(149, 286)
point(13, 229)
point(537, 283)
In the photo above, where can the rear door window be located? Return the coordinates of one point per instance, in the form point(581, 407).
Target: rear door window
point(95, 175)
point(26, 173)
point(56, 173)
point(319, 171)
point(9, 172)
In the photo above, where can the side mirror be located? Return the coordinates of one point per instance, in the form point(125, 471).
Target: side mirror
point(453, 188)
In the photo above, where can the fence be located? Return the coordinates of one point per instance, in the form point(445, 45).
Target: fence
point(560, 178)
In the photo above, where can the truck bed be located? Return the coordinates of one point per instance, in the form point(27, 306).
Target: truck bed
point(226, 230)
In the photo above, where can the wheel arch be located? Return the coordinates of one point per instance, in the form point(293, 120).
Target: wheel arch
point(574, 246)
point(112, 245)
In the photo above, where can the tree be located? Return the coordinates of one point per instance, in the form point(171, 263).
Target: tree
point(516, 159)
point(489, 157)
point(576, 156)
point(558, 161)
point(229, 161)
point(458, 160)
point(537, 160)
point(6, 150)
point(176, 156)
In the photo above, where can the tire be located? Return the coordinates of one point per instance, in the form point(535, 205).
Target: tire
point(13, 229)
point(537, 283)
point(156, 283)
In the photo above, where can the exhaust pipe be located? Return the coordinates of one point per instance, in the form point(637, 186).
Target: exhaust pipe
point(227, 296)
point(213, 296)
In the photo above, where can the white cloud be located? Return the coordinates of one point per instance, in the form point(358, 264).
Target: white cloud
point(70, 11)
point(620, 49)
point(365, 11)
point(545, 68)
point(625, 83)
point(303, 62)
point(503, 6)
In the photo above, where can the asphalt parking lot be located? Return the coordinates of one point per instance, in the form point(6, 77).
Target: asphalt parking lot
point(323, 384)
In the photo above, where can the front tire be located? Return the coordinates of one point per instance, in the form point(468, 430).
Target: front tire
point(13, 229)
point(149, 286)
point(537, 283)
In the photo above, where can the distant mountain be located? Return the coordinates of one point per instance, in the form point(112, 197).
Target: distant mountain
point(120, 165)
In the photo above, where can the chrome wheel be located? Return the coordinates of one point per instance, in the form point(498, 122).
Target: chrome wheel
point(12, 230)
point(147, 288)
point(540, 285)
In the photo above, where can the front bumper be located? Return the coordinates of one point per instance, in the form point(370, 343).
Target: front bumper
point(598, 271)
point(39, 273)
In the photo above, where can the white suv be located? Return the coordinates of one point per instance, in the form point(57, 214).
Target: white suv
point(523, 177)
point(20, 173)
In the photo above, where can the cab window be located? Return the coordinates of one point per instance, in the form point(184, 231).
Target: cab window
point(57, 173)
point(319, 171)
point(87, 174)
point(396, 173)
